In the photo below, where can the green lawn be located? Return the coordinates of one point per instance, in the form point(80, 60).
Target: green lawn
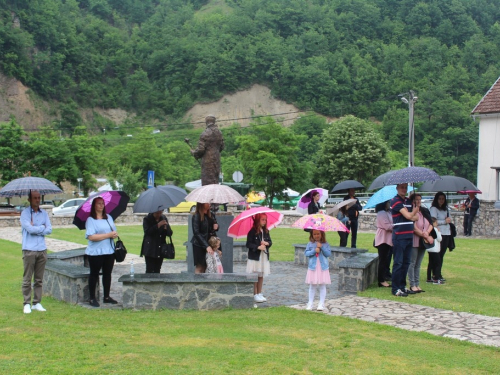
point(73, 340)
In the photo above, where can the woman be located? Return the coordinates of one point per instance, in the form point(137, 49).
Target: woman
point(383, 241)
point(353, 213)
point(203, 226)
point(156, 229)
point(313, 207)
point(100, 231)
point(258, 243)
point(439, 211)
point(421, 230)
point(344, 219)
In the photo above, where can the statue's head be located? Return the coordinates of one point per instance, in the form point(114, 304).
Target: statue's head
point(210, 120)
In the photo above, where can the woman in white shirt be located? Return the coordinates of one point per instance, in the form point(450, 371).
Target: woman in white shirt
point(439, 211)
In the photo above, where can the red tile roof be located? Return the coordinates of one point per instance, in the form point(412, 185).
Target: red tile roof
point(490, 103)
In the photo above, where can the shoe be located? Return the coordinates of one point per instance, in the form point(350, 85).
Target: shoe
point(409, 291)
point(27, 309)
point(400, 293)
point(421, 291)
point(383, 286)
point(442, 279)
point(309, 306)
point(38, 307)
point(429, 281)
point(257, 298)
point(416, 291)
point(94, 303)
point(109, 300)
point(438, 282)
point(264, 299)
point(320, 307)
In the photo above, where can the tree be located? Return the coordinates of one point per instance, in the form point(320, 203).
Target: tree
point(131, 182)
point(269, 155)
point(351, 149)
point(12, 151)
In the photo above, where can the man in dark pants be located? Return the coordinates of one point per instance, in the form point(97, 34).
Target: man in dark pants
point(471, 208)
point(403, 216)
point(353, 213)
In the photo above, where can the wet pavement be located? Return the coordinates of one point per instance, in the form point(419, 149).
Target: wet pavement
point(285, 287)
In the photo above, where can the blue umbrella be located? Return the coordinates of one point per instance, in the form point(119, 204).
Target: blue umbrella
point(410, 175)
point(383, 195)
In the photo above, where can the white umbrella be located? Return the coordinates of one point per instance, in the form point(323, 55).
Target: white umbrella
point(335, 209)
point(214, 193)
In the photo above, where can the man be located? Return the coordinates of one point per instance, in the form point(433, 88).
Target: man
point(471, 208)
point(353, 213)
point(403, 216)
point(36, 225)
point(209, 148)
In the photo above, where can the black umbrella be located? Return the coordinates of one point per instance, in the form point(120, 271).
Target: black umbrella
point(22, 186)
point(411, 175)
point(448, 183)
point(379, 182)
point(159, 198)
point(343, 186)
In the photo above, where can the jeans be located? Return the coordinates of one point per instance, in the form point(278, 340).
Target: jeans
point(383, 261)
point(468, 229)
point(34, 267)
point(415, 261)
point(401, 249)
point(353, 227)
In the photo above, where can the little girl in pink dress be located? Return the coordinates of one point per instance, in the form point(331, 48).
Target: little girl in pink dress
point(318, 273)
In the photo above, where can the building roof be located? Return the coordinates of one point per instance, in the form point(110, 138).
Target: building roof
point(490, 103)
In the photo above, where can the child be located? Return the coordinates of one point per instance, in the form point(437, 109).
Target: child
point(214, 264)
point(434, 257)
point(318, 273)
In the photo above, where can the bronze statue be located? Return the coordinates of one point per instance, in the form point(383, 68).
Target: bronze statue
point(209, 148)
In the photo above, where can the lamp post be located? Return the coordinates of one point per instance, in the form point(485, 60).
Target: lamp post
point(411, 126)
point(79, 180)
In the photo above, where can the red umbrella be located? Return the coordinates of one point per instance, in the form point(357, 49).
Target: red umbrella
point(242, 223)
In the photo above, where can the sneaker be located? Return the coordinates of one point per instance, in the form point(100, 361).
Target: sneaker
point(400, 293)
point(442, 279)
point(257, 298)
point(264, 299)
point(438, 282)
point(27, 309)
point(309, 306)
point(109, 300)
point(94, 303)
point(38, 307)
point(320, 307)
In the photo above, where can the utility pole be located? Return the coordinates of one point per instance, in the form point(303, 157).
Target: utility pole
point(411, 126)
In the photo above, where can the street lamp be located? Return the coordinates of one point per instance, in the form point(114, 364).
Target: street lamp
point(411, 126)
point(79, 180)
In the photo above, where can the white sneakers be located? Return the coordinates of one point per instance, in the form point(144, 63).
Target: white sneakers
point(320, 307)
point(259, 298)
point(309, 306)
point(27, 309)
point(38, 307)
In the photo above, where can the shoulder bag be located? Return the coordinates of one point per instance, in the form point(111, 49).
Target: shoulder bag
point(168, 249)
point(120, 249)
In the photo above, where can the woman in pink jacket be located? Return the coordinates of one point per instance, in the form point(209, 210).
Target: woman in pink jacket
point(383, 240)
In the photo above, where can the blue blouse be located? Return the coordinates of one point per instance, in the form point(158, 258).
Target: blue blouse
point(100, 226)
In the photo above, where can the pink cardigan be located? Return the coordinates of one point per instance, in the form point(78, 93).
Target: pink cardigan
point(384, 228)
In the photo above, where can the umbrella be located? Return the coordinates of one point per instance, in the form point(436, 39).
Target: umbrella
point(379, 182)
point(347, 184)
point(469, 191)
point(449, 183)
point(410, 175)
point(306, 198)
point(22, 186)
point(290, 192)
point(335, 210)
point(214, 193)
point(115, 203)
point(159, 198)
point(383, 195)
point(321, 222)
point(242, 223)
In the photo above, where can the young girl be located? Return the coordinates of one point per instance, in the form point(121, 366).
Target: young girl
point(434, 256)
point(214, 264)
point(318, 274)
point(258, 243)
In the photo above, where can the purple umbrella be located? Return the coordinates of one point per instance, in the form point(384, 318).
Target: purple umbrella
point(307, 197)
point(115, 203)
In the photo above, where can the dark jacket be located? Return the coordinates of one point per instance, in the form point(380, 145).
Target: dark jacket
point(474, 207)
point(253, 242)
point(154, 237)
point(352, 212)
point(201, 230)
point(313, 208)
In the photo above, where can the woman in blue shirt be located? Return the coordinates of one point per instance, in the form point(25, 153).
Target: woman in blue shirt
point(100, 231)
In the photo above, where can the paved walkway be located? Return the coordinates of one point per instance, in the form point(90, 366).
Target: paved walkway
point(285, 287)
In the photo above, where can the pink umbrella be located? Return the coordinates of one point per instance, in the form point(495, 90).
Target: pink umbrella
point(320, 222)
point(307, 197)
point(115, 203)
point(242, 223)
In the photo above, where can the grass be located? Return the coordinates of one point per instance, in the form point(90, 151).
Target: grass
point(70, 339)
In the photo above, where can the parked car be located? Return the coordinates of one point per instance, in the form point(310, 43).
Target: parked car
point(183, 207)
point(48, 203)
point(68, 208)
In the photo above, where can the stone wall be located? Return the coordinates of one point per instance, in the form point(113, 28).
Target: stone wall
point(358, 273)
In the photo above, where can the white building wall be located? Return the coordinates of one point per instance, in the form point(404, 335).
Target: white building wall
point(488, 156)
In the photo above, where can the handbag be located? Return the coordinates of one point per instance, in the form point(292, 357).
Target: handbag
point(120, 251)
point(168, 249)
point(425, 245)
point(453, 228)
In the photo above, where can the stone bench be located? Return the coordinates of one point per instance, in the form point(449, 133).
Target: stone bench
point(182, 291)
point(338, 255)
point(358, 272)
point(240, 251)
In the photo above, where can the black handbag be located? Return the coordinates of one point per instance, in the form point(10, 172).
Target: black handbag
point(168, 249)
point(425, 245)
point(453, 228)
point(120, 251)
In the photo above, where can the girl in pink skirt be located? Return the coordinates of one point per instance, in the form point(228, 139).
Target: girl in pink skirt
point(318, 273)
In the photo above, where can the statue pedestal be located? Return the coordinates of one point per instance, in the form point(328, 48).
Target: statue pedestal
point(224, 220)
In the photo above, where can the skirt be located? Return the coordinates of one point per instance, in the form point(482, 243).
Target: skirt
point(261, 266)
point(318, 276)
point(199, 256)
